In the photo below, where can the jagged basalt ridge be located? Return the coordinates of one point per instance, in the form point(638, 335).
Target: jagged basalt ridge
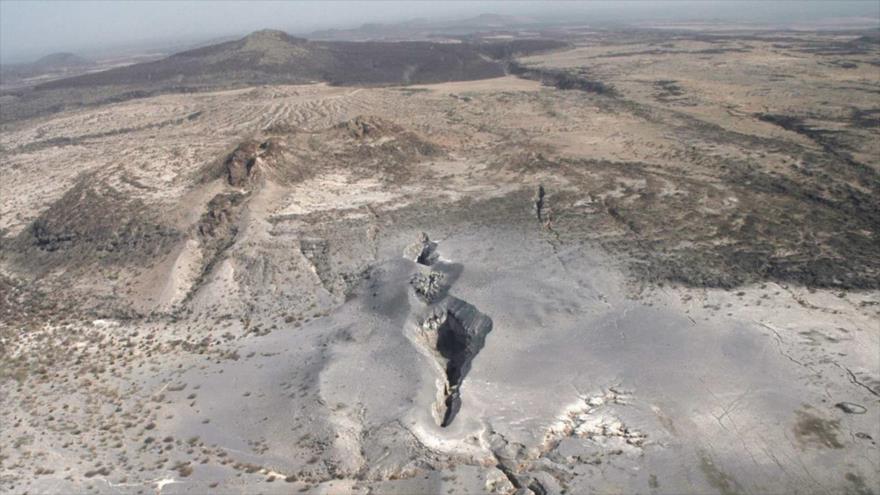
point(217, 226)
point(245, 164)
point(217, 229)
point(241, 166)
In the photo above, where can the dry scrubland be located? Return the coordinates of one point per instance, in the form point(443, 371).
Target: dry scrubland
point(652, 267)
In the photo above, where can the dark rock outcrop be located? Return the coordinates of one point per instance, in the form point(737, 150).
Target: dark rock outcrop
point(422, 251)
point(428, 286)
point(241, 166)
point(247, 162)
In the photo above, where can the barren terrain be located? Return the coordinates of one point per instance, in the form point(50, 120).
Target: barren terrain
point(643, 262)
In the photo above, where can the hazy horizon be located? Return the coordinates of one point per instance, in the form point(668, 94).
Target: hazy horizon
point(32, 29)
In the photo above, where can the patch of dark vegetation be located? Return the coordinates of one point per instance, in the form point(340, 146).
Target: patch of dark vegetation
point(745, 226)
point(217, 228)
point(507, 50)
point(25, 308)
point(562, 79)
point(94, 234)
point(824, 138)
point(95, 220)
point(857, 485)
point(815, 224)
point(668, 91)
point(779, 230)
point(813, 431)
point(718, 51)
point(721, 481)
point(655, 51)
point(843, 64)
point(103, 471)
point(859, 46)
point(865, 118)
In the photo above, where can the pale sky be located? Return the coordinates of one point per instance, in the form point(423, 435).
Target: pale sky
point(30, 29)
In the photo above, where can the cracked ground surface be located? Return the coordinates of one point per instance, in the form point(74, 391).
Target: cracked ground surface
point(228, 291)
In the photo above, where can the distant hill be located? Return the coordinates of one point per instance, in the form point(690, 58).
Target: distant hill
point(266, 57)
point(51, 67)
point(271, 56)
point(62, 60)
point(275, 57)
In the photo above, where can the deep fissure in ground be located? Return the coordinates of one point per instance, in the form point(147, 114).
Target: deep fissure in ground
point(452, 345)
point(460, 335)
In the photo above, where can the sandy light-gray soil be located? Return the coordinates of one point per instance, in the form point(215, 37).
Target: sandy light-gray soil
point(643, 263)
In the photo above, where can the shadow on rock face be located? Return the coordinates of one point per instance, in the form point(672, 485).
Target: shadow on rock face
point(454, 334)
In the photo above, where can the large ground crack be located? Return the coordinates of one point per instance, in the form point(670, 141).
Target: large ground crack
point(453, 332)
point(594, 434)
